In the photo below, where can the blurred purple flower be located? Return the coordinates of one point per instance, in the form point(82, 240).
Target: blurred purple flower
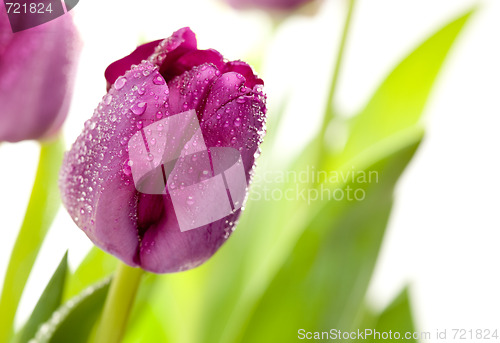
point(281, 5)
point(36, 77)
point(160, 81)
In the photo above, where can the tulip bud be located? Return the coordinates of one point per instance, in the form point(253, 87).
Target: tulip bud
point(273, 5)
point(36, 77)
point(160, 172)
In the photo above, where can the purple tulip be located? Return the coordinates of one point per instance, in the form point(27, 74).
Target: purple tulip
point(151, 94)
point(36, 77)
point(280, 5)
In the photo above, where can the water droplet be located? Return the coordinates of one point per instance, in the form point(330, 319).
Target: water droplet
point(120, 82)
point(159, 115)
point(150, 157)
point(190, 200)
point(113, 118)
point(152, 141)
point(108, 98)
point(240, 100)
point(139, 124)
point(160, 127)
point(127, 170)
point(159, 80)
point(139, 108)
point(141, 91)
point(237, 121)
point(123, 141)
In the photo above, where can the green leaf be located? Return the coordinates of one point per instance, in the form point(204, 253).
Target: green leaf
point(42, 208)
point(74, 321)
point(397, 317)
point(96, 266)
point(229, 284)
point(399, 101)
point(324, 280)
point(49, 301)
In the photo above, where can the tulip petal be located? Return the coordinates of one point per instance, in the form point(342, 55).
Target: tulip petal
point(96, 186)
point(268, 4)
point(212, 120)
point(189, 90)
point(190, 60)
point(120, 67)
point(240, 124)
point(179, 43)
point(240, 67)
point(225, 89)
point(36, 70)
point(165, 248)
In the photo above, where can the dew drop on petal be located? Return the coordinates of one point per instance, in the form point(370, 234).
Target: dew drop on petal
point(139, 108)
point(108, 98)
point(159, 80)
point(120, 82)
point(127, 170)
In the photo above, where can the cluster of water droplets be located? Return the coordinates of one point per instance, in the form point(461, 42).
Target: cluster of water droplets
point(100, 154)
point(133, 102)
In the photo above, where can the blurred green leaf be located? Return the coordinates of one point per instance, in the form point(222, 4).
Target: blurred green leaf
point(49, 301)
point(96, 266)
point(323, 282)
point(399, 101)
point(74, 321)
point(397, 317)
point(267, 230)
point(212, 302)
point(42, 208)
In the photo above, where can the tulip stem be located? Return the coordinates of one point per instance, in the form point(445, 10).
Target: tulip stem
point(118, 306)
point(42, 208)
point(330, 108)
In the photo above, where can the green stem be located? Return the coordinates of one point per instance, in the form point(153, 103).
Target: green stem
point(118, 306)
point(42, 208)
point(329, 110)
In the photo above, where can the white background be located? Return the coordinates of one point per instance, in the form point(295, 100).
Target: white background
point(443, 236)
